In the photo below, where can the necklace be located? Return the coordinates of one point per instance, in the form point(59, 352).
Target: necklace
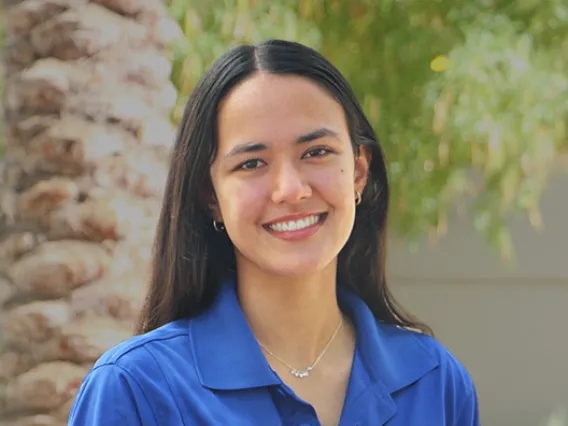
point(300, 374)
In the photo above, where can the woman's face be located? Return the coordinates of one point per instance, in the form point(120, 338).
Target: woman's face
point(285, 175)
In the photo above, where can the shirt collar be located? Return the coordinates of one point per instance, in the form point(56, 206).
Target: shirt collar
point(393, 356)
point(226, 353)
point(228, 357)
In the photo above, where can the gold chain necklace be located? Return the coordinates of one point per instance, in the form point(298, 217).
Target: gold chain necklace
point(300, 374)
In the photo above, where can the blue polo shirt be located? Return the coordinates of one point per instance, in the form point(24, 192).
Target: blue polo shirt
point(210, 370)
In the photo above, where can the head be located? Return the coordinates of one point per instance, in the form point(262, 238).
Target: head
point(272, 139)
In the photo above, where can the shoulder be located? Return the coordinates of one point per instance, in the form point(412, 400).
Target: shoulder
point(415, 340)
point(415, 347)
point(130, 379)
point(448, 362)
point(425, 375)
point(138, 351)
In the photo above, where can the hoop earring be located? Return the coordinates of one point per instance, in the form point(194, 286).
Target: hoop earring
point(357, 198)
point(219, 227)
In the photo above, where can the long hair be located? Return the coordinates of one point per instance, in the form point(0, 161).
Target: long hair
point(191, 260)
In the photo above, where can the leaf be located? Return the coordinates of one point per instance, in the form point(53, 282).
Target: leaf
point(440, 63)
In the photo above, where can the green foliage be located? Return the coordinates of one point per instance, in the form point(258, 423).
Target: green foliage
point(469, 98)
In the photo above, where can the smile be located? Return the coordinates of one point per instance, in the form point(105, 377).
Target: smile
point(297, 229)
point(296, 225)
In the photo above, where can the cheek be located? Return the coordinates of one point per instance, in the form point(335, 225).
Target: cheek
point(241, 202)
point(334, 183)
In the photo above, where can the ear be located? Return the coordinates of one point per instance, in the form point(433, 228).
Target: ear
point(362, 164)
point(208, 198)
point(215, 212)
point(214, 208)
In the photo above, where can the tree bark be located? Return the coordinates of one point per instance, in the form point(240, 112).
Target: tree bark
point(87, 99)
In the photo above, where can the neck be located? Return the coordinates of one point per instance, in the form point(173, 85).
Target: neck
point(292, 317)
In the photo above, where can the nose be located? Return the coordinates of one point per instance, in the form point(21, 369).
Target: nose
point(289, 186)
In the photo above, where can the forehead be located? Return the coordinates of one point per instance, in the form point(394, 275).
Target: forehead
point(266, 106)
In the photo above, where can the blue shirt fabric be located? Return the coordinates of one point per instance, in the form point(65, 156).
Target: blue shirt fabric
point(210, 370)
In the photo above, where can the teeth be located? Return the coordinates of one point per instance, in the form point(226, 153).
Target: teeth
point(295, 225)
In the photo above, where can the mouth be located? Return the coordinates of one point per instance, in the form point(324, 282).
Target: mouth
point(298, 228)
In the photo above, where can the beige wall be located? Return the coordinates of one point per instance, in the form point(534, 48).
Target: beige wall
point(508, 325)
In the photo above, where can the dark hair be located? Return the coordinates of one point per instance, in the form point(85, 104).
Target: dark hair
point(191, 259)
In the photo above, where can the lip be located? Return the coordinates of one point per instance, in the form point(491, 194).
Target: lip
point(299, 234)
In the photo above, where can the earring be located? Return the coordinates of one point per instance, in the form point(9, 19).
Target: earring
point(357, 198)
point(219, 227)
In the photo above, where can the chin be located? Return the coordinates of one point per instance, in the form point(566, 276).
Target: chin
point(297, 266)
point(288, 261)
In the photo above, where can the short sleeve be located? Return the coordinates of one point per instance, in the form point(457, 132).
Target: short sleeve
point(110, 396)
point(469, 412)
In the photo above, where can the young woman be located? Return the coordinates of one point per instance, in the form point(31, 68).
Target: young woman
point(268, 303)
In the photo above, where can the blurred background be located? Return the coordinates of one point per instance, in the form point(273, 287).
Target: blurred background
point(469, 99)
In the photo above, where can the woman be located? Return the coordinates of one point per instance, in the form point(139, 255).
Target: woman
point(268, 303)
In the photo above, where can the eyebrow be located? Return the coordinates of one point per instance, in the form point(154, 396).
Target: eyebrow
point(248, 147)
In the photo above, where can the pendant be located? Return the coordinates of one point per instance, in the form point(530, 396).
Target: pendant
point(300, 374)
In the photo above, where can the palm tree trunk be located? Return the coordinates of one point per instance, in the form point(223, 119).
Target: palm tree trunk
point(87, 99)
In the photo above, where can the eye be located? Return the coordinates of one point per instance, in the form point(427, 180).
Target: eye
point(317, 152)
point(252, 164)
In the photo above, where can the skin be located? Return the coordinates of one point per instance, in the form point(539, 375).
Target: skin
point(302, 162)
